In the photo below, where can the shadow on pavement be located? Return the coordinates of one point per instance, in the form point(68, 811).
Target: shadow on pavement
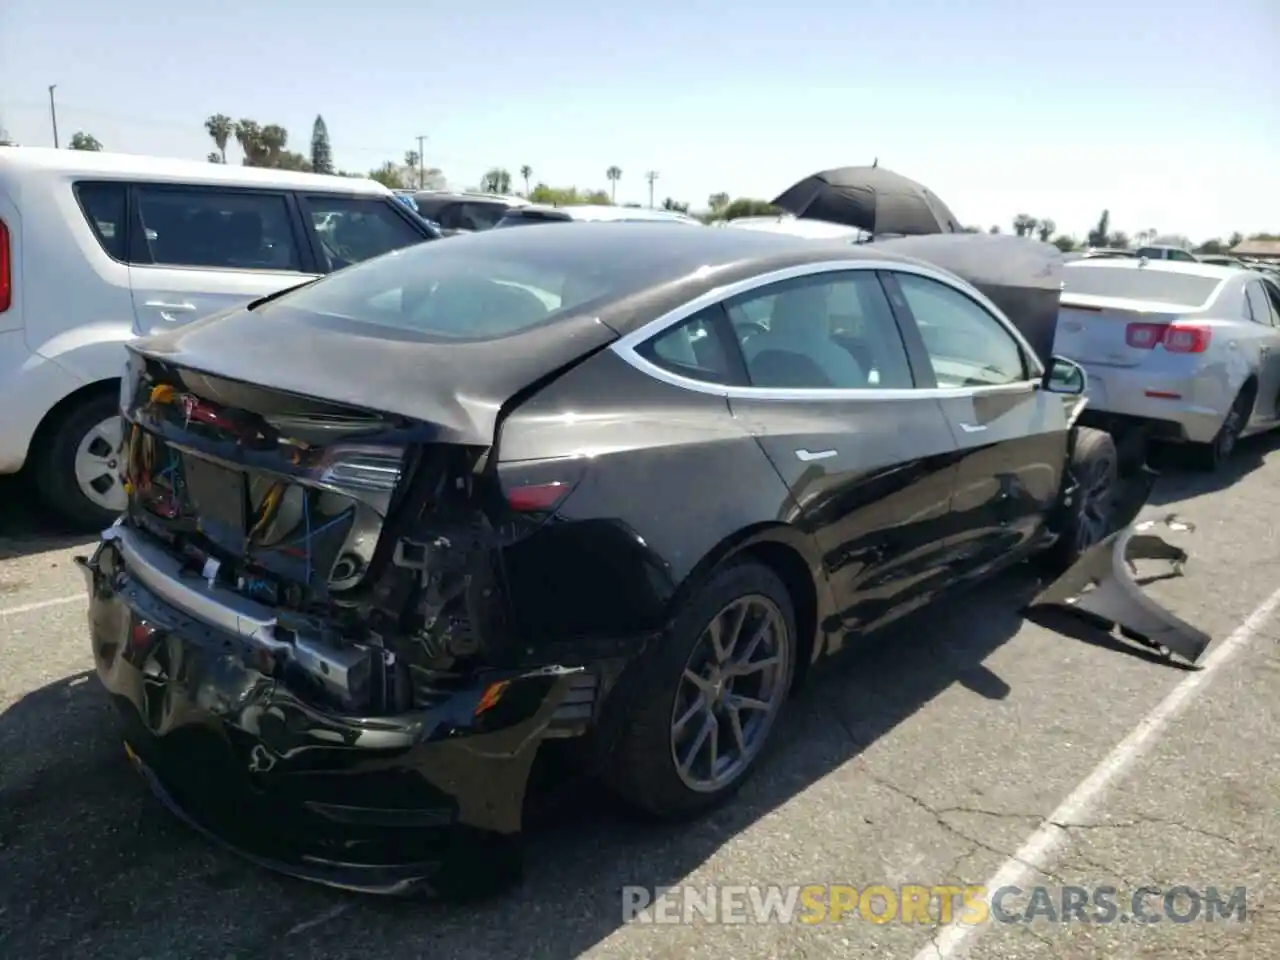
point(85, 849)
point(1249, 455)
point(27, 527)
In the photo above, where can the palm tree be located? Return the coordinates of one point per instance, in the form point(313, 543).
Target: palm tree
point(221, 128)
point(614, 174)
point(526, 172)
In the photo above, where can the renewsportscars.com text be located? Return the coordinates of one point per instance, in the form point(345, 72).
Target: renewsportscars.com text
point(929, 904)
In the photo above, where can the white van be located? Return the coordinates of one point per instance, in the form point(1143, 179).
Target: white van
point(98, 248)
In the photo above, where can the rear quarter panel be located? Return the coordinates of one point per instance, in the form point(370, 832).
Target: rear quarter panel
point(672, 482)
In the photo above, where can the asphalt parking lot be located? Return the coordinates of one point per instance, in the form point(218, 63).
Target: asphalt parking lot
point(932, 757)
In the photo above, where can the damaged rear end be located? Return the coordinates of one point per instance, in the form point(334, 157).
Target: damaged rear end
point(360, 552)
point(304, 619)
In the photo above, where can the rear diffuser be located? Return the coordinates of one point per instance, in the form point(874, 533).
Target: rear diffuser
point(1102, 588)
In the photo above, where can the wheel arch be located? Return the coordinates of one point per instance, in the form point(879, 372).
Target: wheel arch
point(56, 413)
point(790, 554)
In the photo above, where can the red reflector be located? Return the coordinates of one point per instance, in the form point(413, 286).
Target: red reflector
point(6, 270)
point(1162, 395)
point(537, 496)
point(1144, 336)
point(1183, 338)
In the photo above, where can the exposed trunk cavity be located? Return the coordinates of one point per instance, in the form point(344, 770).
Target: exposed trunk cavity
point(357, 550)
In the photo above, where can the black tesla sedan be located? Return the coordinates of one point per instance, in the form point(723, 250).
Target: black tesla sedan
point(390, 531)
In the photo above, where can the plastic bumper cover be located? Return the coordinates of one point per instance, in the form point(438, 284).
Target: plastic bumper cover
point(424, 802)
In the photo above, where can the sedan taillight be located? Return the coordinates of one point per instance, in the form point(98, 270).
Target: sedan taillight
point(1174, 337)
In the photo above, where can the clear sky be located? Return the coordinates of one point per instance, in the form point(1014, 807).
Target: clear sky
point(1165, 111)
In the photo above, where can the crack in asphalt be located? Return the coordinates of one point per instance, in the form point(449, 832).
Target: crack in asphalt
point(1140, 820)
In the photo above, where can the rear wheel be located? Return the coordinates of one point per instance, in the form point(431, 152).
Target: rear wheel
point(1212, 455)
point(706, 698)
point(1088, 520)
point(76, 470)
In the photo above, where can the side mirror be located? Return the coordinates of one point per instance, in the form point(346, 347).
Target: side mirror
point(1066, 377)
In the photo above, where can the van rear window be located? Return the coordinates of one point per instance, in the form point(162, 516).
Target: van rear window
point(104, 206)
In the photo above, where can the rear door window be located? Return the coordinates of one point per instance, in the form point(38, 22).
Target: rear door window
point(354, 229)
point(216, 229)
point(1256, 301)
point(105, 207)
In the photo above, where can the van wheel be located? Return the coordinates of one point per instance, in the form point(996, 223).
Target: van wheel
point(76, 471)
point(706, 696)
point(1095, 468)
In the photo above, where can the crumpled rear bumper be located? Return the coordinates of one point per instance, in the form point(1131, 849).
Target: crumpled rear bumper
point(1103, 587)
point(429, 801)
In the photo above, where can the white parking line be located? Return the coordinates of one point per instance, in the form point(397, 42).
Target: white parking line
point(1037, 853)
point(41, 604)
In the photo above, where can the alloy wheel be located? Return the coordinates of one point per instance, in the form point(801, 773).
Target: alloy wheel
point(730, 693)
point(97, 466)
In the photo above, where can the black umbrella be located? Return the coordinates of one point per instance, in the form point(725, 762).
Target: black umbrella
point(870, 198)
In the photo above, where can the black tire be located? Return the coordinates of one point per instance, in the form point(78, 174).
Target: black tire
point(53, 467)
point(641, 768)
point(1212, 456)
point(1095, 468)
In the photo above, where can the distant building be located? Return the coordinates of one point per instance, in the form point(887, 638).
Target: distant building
point(1259, 249)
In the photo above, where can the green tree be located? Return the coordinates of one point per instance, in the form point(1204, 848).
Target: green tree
point(717, 202)
point(1235, 239)
point(84, 141)
point(389, 175)
point(1212, 246)
point(994, 228)
point(1044, 229)
point(1064, 243)
point(221, 128)
point(675, 206)
point(497, 180)
point(614, 174)
point(1119, 240)
point(1101, 234)
point(972, 230)
point(321, 151)
point(267, 146)
point(744, 207)
point(1024, 224)
point(526, 172)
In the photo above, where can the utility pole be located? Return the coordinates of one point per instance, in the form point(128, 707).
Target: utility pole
point(53, 114)
point(421, 163)
point(651, 176)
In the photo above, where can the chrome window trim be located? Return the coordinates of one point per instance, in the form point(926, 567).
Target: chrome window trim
point(626, 347)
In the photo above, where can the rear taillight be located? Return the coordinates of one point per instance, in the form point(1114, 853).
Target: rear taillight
point(1174, 337)
point(538, 497)
point(1185, 338)
point(1144, 336)
point(6, 269)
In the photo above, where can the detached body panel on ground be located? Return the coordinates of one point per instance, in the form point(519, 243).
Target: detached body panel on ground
point(616, 483)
